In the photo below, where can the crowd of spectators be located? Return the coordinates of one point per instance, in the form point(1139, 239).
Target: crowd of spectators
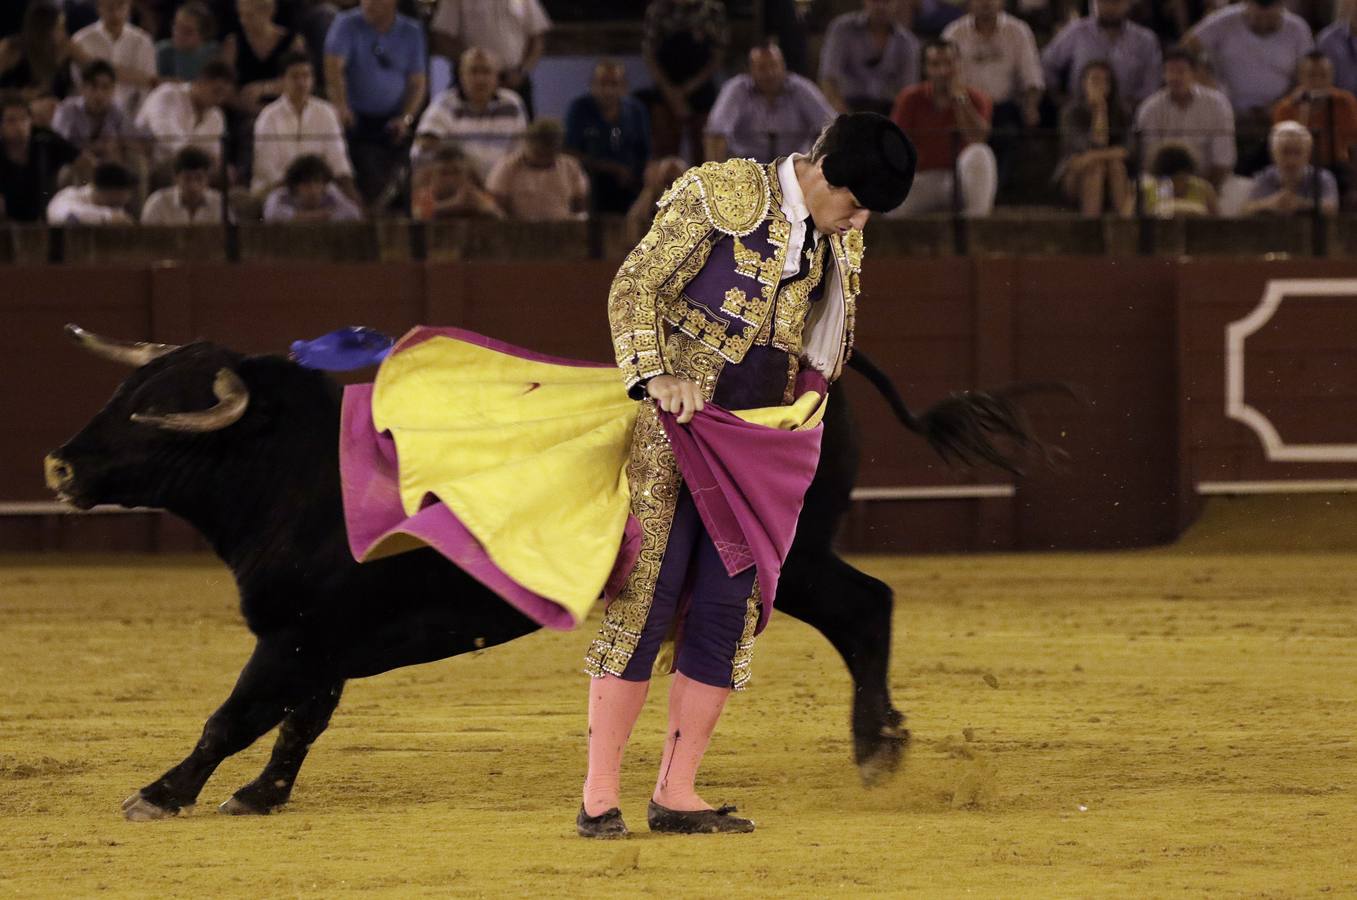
point(177, 112)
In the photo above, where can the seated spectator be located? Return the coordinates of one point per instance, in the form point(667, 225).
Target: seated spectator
point(1184, 111)
point(294, 125)
point(1254, 48)
point(190, 201)
point(868, 59)
point(1327, 112)
point(38, 59)
point(191, 45)
point(309, 194)
point(999, 58)
point(766, 113)
point(30, 159)
point(176, 115)
point(1131, 49)
point(129, 49)
point(43, 107)
point(660, 173)
point(256, 49)
point(1288, 186)
point(1337, 43)
point(610, 133)
point(514, 32)
point(1093, 151)
point(683, 43)
point(539, 183)
point(94, 123)
point(483, 118)
point(450, 189)
point(104, 202)
point(375, 63)
point(948, 123)
point(1171, 186)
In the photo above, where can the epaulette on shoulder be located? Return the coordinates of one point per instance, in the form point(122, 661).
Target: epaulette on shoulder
point(734, 194)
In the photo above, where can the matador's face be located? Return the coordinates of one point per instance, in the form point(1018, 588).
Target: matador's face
point(833, 209)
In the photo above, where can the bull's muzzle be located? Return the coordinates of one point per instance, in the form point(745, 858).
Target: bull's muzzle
point(58, 472)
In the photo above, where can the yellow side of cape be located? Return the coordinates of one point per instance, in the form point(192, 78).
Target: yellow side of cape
point(531, 457)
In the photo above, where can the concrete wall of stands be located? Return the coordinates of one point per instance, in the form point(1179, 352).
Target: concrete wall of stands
point(1144, 339)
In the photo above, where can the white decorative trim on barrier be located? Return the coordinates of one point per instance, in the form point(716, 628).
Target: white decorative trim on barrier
point(53, 508)
point(1315, 486)
point(1274, 446)
point(945, 492)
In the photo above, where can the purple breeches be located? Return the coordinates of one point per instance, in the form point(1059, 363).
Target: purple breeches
point(715, 618)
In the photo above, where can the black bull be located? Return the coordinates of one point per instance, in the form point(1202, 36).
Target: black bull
point(244, 448)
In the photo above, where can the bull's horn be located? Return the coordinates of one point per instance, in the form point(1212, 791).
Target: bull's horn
point(232, 398)
point(131, 353)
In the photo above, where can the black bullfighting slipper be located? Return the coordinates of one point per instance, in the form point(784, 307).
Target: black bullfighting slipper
point(604, 825)
point(701, 821)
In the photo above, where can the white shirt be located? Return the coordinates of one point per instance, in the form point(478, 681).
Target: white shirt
point(132, 49)
point(487, 137)
point(165, 208)
point(76, 206)
point(1003, 64)
point(503, 26)
point(797, 213)
point(280, 136)
point(169, 116)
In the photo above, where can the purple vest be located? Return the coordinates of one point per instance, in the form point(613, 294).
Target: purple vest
point(739, 306)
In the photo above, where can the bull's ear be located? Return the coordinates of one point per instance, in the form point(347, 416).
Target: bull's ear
point(130, 353)
point(233, 397)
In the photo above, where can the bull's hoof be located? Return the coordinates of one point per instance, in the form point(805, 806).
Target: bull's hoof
point(879, 755)
point(137, 808)
point(237, 807)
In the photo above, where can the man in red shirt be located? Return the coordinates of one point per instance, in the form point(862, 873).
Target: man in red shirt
point(948, 123)
point(1330, 113)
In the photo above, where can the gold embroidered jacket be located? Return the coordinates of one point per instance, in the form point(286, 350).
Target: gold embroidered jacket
point(734, 206)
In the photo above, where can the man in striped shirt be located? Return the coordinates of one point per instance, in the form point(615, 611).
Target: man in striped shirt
point(482, 117)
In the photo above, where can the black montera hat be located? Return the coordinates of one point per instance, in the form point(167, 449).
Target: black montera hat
point(869, 154)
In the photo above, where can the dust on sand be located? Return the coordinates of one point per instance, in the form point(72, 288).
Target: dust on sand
point(1136, 724)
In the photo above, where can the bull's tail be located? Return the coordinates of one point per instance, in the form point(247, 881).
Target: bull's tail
point(971, 427)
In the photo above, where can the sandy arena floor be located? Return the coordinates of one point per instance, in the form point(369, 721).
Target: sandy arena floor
point(1139, 724)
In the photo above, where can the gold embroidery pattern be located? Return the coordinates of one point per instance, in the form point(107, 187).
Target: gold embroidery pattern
point(735, 194)
point(675, 245)
point(793, 369)
point(735, 303)
point(848, 252)
point(695, 361)
point(751, 264)
point(744, 650)
point(654, 480)
point(696, 321)
point(793, 305)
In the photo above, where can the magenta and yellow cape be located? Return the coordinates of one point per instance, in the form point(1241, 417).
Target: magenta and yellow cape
point(512, 465)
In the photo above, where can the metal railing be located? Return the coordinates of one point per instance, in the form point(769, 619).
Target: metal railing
point(1041, 145)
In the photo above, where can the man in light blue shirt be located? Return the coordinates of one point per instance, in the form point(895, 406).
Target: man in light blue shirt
point(1132, 50)
point(1340, 46)
point(1254, 48)
point(767, 113)
point(375, 75)
point(868, 58)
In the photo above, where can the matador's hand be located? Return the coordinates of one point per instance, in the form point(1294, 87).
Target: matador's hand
point(676, 395)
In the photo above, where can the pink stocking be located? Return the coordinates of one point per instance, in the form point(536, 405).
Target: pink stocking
point(614, 704)
point(694, 708)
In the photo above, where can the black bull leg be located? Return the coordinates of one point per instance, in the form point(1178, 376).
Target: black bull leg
point(273, 685)
point(853, 611)
point(850, 608)
point(298, 731)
